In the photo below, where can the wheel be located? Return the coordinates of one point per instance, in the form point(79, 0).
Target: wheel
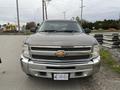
point(89, 78)
point(30, 76)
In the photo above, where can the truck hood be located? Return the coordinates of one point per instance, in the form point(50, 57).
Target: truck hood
point(60, 39)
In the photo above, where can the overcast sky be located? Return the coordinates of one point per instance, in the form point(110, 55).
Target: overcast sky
point(30, 10)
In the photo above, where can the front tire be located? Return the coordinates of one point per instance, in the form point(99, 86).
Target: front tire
point(30, 76)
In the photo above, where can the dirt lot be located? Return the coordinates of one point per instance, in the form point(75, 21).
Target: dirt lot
point(12, 77)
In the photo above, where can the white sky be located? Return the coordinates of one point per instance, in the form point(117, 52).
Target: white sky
point(30, 10)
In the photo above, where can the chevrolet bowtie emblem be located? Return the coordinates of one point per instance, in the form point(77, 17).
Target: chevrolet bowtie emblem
point(60, 54)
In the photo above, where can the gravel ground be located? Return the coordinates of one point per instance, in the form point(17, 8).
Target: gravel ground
point(12, 77)
point(115, 53)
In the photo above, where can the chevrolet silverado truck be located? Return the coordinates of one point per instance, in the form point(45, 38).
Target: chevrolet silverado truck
point(60, 50)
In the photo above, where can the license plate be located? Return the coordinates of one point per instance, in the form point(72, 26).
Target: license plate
point(61, 76)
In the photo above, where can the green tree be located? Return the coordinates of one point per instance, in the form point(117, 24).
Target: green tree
point(30, 25)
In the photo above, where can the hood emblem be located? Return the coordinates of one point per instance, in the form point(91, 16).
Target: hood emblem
point(60, 53)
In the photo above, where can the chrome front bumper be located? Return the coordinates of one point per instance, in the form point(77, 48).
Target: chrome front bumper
point(41, 70)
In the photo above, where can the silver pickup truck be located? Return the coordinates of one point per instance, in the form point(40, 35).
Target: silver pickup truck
point(60, 50)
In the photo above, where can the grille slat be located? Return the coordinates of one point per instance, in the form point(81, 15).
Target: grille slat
point(56, 49)
point(67, 53)
point(62, 58)
point(60, 67)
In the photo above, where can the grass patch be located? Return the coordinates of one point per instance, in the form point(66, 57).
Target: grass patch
point(107, 58)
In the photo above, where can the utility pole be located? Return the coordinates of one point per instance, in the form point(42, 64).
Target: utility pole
point(119, 20)
point(64, 15)
point(119, 16)
point(43, 10)
point(82, 11)
point(18, 17)
point(46, 11)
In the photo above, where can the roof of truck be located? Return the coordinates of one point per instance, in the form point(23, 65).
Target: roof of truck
point(62, 20)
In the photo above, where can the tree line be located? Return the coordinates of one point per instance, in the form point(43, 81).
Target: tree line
point(105, 24)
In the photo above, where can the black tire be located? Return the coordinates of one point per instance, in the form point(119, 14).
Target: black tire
point(98, 35)
point(99, 38)
point(116, 43)
point(115, 38)
point(100, 43)
point(89, 78)
point(115, 34)
point(30, 76)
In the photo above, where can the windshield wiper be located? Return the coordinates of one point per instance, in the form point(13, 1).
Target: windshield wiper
point(70, 31)
point(49, 31)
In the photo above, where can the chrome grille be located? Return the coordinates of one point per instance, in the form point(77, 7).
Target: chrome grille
point(72, 53)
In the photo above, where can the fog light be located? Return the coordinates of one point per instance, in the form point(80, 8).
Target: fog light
point(85, 74)
point(78, 73)
point(42, 73)
point(36, 75)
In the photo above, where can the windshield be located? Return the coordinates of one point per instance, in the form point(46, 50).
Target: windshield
point(60, 26)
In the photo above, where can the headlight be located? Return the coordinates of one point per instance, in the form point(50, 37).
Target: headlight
point(26, 51)
point(96, 51)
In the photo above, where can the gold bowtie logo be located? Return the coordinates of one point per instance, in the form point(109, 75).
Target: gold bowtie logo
point(60, 54)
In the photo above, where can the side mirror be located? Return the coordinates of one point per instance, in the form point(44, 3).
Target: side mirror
point(33, 30)
point(87, 31)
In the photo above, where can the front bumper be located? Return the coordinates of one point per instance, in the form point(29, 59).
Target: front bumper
point(47, 70)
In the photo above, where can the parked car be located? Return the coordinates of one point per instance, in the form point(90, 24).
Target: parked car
point(60, 50)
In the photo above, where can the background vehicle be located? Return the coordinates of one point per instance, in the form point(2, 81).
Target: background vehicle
point(60, 50)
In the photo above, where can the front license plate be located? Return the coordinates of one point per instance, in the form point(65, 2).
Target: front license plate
point(61, 76)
